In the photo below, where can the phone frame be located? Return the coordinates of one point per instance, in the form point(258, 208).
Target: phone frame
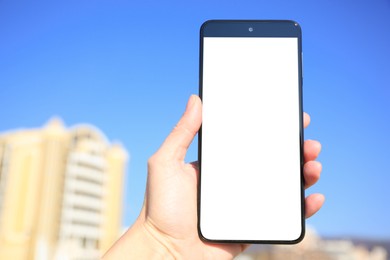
point(236, 29)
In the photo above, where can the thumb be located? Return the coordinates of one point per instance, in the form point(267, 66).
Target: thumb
point(176, 144)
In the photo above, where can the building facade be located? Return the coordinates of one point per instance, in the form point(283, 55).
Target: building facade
point(61, 192)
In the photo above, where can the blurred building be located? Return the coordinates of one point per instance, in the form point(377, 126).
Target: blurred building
point(314, 247)
point(61, 192)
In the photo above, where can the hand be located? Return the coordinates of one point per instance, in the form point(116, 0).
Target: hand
point(167, 224)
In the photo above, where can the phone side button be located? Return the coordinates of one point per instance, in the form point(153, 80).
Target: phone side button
point(302, 64)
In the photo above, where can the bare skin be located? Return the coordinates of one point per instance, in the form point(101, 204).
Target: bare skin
point(167, 225)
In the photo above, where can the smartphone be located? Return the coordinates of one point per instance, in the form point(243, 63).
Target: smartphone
point(251, 186)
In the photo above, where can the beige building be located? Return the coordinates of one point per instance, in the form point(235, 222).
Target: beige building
point(61, 192)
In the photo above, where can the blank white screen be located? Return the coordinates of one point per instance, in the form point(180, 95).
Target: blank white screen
point(250, 179)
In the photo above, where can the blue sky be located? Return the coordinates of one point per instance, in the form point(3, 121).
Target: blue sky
point(128, 67)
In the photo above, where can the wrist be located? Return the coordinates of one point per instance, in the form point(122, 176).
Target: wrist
point(140, 242)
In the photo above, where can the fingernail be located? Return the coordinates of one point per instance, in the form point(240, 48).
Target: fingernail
point(191, 102)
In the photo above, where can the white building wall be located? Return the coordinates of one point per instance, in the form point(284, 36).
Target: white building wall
point(82, 208)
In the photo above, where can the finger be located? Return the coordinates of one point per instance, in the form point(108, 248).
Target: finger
point(311, 150)
point(244, 247)
point(311, 171)
point(176, 144)
point(306, 119)
point(313, 203)
point(195, 164)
